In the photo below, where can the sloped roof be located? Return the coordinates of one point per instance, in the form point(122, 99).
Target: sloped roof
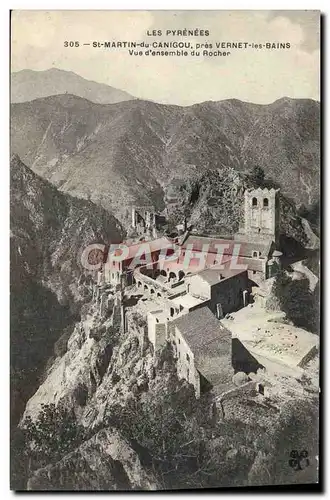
point(148, 247)
point(254, 264)
point(212, 275)
point(210, 343)
point(200, 328)
point(245, 248)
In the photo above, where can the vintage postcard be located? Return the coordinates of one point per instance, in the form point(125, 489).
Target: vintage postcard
point(165, 236)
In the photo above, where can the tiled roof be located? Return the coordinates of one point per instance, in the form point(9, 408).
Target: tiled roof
point(245, 248)
point(149, 247)
point(212, 275)
point(253, 264)
point(210, 342)
point(199, 328)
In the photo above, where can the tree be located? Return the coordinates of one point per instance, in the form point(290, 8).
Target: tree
point(176, 438)
point(296, 300)
point(296, 443)
point(54, 433)
point(257, 176)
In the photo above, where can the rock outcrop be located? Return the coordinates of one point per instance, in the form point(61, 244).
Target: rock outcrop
point(104, 462)
point(49, 231)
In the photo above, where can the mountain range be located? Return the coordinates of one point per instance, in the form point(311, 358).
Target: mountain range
point(81, 165)
point(127, 153)
point(27, 85)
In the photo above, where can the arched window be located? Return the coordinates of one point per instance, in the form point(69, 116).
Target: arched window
point(266, 202)
point(254, 202)
point(254, 254)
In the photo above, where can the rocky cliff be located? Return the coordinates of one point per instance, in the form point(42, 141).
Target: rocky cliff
point(142, 428)
point(49, 230)
point(213, 204)
point(104, 462)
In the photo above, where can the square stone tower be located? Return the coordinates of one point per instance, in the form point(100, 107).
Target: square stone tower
point(261, 215)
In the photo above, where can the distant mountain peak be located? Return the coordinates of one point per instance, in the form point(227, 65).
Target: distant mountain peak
point(28, 85)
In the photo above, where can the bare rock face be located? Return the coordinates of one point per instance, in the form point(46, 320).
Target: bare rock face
point(220, 198)
point(104, 462)
point(49, 230)
point(86, 378)
point(86, 375)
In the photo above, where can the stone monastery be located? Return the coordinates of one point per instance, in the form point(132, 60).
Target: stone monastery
point(189, 285)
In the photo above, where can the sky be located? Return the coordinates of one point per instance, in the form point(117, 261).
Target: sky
point(253, 75)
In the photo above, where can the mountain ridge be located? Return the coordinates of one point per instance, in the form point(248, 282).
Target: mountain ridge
point(126, 153)
point(28, 85)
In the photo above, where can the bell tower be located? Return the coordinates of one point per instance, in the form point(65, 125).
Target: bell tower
point(261, 215)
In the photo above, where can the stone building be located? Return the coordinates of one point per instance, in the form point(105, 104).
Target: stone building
point(254, 254)
point(225, 290)
point(261, 216)
point(145, 220)
point(119, 264)
point(255, 245)
point(203, 348)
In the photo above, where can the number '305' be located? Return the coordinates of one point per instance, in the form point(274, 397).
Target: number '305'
point(71, 44)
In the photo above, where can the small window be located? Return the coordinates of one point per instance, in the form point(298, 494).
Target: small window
point(266, 202)
point(254, 253)
point(254, 202)
point(187, 356)
point(179, 341)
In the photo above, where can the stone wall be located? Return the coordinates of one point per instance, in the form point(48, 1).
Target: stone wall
point(214, 362)
point(185, 360)
point(229, 293)
point(198, 287)
point(157, 330)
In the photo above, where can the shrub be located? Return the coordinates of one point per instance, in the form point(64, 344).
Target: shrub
point(54, 434)
point(296, 300)
point(80, 394)
point(61, 345)
point(257, 176)
point(169, 429)
point(115, 378)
